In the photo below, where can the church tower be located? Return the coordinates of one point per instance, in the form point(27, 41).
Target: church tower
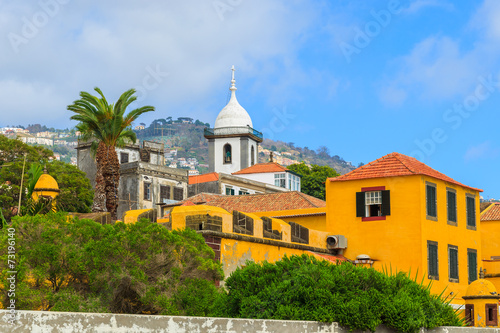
point(232, 143)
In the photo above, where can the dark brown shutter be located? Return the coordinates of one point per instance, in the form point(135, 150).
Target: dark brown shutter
point(386, 203)
point(360, 204)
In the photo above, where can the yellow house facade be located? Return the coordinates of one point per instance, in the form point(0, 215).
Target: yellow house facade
point(400, 214)
point(490, 244)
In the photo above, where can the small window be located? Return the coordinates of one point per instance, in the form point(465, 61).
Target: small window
point(432, 260)
point(178, 193)
point(299, 234)
point(243, 192)
point(229, 190)
point(147, 191)
point(242, 224)
point(227, 154)
point(469, 314)
point(370, 204)
point(453, 263)
point(280, 180)
point(431, 201)
point(123, 158)
point(252, 156)
point(472, 264)
point(491, 315)
point(451, 202)
point(471, 211)
point(164, 193)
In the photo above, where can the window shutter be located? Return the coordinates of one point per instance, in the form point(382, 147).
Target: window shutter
point(453, 262)
point(452, 206)
point(431, 201)
point(386, 203)
point(472, 261)
point(471, 212)
point(360, 204)
point(433, 260)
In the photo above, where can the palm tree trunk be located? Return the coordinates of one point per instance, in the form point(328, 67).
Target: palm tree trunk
point(111, 174)
point(99, 204)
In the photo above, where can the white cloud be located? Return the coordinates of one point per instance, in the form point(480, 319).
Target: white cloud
point(112, 45)
point(419, 5)
point(444, 68)
point(481, 151)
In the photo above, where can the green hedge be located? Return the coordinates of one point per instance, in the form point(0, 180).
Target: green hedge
point(303, 288)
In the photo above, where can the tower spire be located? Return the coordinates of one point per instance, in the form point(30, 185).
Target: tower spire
point(233, 81)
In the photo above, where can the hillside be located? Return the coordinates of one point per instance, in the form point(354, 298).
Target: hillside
point(184, 137)
point(185, 145)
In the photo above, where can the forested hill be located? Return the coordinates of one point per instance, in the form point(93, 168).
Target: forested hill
point(185, 135)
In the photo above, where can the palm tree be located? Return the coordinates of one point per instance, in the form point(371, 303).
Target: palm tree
point(108, 127)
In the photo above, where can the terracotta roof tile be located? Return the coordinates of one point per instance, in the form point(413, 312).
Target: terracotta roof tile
point(393, 165)
point(262, 168)
point(492, 213)
point(205, 178)
point(258, 202)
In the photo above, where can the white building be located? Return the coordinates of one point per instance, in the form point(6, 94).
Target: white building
point(271, 173)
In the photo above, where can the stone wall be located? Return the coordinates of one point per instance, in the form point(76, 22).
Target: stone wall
point(55, 322)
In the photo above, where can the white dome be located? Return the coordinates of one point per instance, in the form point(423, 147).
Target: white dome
point(233, 114)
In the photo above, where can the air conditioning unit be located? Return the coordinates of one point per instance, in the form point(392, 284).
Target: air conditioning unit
point(335, 242)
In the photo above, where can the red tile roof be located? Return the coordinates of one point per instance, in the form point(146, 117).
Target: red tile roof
point(393, 165)
point(205, 178)
point(262, 168)
point(258, 202)
point(492, 213)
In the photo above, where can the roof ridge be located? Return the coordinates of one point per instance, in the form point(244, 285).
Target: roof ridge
point(398, 157)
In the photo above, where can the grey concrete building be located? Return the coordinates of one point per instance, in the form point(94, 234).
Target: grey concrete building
point(145, 181)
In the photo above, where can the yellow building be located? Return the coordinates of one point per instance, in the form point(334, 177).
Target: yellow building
point(255, 227)
point(398, 213)
point(490, 245)
point(481, 304)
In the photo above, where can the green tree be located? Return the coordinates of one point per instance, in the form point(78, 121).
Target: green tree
point(108, 127)
point(12, 153)
point(81, 265)
point(313, 178)
point(76, 192)
point(304, 288)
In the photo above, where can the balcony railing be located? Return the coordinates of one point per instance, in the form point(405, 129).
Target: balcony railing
point(232, 130)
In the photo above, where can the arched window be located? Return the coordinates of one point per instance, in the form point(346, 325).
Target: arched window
point(252, 156)
point(227, 154)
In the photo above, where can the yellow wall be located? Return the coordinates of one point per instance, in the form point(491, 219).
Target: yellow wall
point(311, 222)
point(235, 253)
point(400, 241)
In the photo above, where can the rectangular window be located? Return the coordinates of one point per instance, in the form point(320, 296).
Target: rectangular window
point(373, 203)
point(431, 200)
point(472, 264)
point(229, 190)
point(451, 202)
point(164, 193)
point(123, 158)
point(243, 192)
point(469, 314)
point(471, 211)
point(432, 260)
point(453, 263)
point(178, 193)
point(491, 315)
point(147, 191)
point(280, 180)
point(300, 234)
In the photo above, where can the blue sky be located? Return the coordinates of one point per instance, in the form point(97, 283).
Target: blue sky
point(364, 78)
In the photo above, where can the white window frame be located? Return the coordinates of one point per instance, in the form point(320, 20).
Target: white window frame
point(373, 198)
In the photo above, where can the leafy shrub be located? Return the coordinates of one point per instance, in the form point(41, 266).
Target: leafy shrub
point(81, 265)
point(303, 288)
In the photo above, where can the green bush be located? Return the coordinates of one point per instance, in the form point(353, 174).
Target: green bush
point(303, 288)
point(81, 265)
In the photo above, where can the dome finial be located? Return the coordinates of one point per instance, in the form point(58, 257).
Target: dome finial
point(233, 81)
